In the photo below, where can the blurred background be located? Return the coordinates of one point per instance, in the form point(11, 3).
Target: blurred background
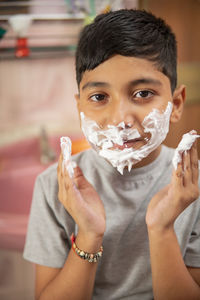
point(37, 86)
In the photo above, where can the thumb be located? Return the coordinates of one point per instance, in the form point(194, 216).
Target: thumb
point(79, 179)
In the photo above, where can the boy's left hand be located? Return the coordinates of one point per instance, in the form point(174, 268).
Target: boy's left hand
point(173, 199)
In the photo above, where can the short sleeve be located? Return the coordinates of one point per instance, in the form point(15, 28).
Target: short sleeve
point(47, 242)
point(192, 255)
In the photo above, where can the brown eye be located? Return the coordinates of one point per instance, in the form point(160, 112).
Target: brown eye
point(143, 94)
point(98, 97)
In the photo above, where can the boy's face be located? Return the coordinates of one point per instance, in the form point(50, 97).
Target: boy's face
point(124, 89)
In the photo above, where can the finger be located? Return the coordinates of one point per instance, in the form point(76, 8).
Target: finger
point(61, 187)
point(177, 175)
point(60, 159)
point(187, 178)
point(79, 179)
point(59, 170)
point(194, 163)
point(68, 180)
point(65, 193)
point(71, 191)
point(58, 166)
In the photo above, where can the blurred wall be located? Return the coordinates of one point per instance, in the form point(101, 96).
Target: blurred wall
point(183, 17)
point(35, 93)
point(40, 91)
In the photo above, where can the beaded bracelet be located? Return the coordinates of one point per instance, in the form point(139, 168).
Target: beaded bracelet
point(91, 257)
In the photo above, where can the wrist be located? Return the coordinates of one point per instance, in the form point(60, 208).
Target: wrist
point(159, 230)
point(162, 237)
point(89, 242)
point(159, 226)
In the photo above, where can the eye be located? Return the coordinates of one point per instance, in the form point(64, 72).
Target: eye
point(143, 94)
point(98, 97)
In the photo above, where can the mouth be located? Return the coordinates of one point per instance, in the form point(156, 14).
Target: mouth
point(133, 143)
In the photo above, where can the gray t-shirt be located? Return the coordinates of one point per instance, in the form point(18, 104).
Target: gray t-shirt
point(124, 271)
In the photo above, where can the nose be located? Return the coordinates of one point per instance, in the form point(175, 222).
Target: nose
point(121, 112)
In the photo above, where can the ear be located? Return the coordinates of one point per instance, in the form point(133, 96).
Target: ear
point(178, 104)
point(77, 97)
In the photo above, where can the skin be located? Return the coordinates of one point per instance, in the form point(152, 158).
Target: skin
point(128, 89)
point(171, 278)
point(119, 82)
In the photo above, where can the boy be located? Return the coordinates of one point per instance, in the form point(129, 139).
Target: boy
point(146, 219)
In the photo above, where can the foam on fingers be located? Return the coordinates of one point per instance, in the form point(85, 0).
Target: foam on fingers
point(67, 163)
point(185, 144)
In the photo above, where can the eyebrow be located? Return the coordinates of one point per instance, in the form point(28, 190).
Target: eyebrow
point(145, 80)
point(132, 83)
point(92, 84)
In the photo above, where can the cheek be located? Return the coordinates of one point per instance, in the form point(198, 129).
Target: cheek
point(96, 115)
point(142, 113)
point(159, 105)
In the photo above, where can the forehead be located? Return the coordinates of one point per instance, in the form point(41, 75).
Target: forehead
point(119, 70)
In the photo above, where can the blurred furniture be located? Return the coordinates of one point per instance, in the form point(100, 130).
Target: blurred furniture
point(20, 164)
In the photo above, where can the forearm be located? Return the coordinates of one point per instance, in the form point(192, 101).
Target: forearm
point(76, 279)
point(171, 279)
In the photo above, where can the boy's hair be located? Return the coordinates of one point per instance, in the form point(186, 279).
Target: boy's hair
point(135, 33)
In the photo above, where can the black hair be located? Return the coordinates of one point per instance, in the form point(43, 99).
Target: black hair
point(127, 32)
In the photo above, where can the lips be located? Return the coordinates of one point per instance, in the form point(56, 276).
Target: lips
point(135, 143)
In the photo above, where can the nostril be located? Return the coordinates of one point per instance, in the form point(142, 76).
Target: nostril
point(128, 125)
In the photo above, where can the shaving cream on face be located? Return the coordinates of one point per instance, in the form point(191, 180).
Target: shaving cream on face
point(66, 146)
point(185, 144)
point(156, 123)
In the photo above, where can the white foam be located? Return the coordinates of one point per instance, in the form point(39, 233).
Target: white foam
point(185, 144)
point(66, 146)
point(156, 123)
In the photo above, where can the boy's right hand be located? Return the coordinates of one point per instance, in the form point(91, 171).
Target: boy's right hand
point(82, 202)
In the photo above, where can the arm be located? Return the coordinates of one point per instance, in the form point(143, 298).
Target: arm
point(76, 279)
point(172, 280)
